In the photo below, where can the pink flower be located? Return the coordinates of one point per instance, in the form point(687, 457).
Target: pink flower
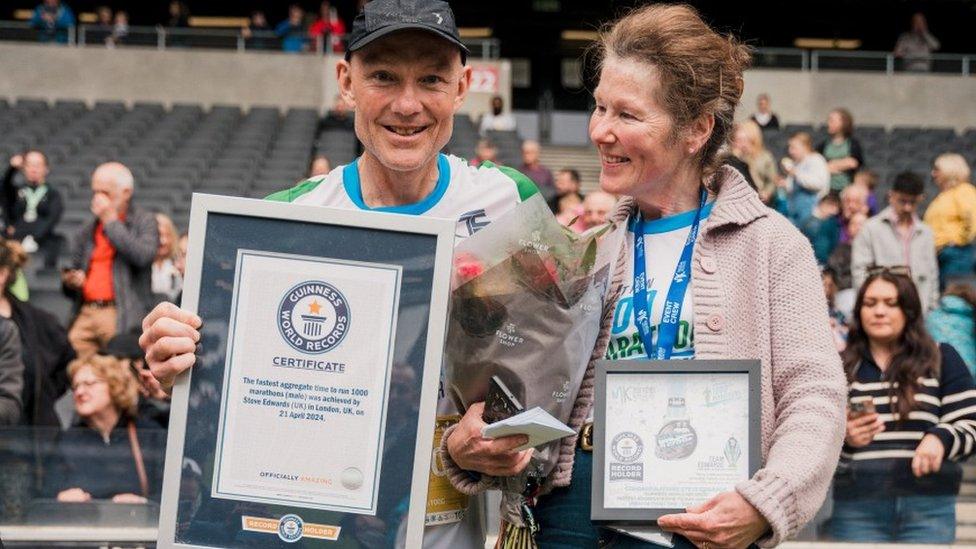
point(468, 267)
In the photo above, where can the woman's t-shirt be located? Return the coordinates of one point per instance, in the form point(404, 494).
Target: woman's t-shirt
point(664, 240)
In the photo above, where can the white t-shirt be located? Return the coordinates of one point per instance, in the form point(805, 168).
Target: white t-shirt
point(664, 240)
point(474, 196)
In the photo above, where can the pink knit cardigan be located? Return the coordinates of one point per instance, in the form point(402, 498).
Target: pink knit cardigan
point(757, 294)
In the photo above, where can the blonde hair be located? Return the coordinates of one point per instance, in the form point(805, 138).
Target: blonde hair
point(700, 70)
point(166, 224)
point(754, 135)
point(122, 386)
point(954, 167)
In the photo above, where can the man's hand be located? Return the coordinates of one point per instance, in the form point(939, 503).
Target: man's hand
point(73, 278)
point(725, 521)
point(496, 457)
point(17, 161)
point(103, 209)
point(928, 456)
point(74, 495)
point(862, 428)
point(169, 339)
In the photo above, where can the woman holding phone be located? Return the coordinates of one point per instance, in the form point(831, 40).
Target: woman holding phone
point(912, 418)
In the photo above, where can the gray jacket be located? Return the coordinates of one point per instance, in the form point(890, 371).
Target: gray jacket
point(878, 243)
point(135, 240)
point(11, 373)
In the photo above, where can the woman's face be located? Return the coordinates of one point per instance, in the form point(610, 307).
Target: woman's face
point(882, 318)
point(741, 141)
point(632, 131)
point(834, 123)
point(91, 394)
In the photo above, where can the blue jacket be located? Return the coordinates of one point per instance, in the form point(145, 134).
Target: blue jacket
point(56, 31)
point(292, 36)
point(952, 322)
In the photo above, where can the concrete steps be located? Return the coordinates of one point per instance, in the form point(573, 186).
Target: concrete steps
point(584, 159)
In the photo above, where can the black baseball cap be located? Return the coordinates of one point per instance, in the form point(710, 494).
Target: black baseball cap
point(382, 17)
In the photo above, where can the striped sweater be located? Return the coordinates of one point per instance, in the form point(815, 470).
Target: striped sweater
point(944, 406)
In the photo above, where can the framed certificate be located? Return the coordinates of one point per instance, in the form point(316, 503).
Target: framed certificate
point(309, 414)
point(671, 434)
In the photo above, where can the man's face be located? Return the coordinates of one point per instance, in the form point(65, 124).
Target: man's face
point(35, 168)
point(105, 186)
point(405, 89)
point(763, 104)
point(530, 153)
point(903, 204)
point(565, 184)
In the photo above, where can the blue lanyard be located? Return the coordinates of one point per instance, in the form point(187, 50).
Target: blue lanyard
point(667, 333)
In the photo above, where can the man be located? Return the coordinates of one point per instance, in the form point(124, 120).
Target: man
point(597, 207)
point(897, 237)
point(535, 170)
point(33, 211)
point(292, 30)
point(497, 119)
point(11, 373)
point(111, 274)
point(915, 47)
point(404, 73)
point(764, 116)
point(567, 183)
point(52, 19)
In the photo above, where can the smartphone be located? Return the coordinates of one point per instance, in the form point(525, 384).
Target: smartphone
point(862, 406)
point(500, 403)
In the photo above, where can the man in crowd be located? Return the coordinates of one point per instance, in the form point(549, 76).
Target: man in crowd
point(597, 207)
point(484, 151)
point(11, 373)
point(292, 30)
point(567, 183)
point(111, 274)
point(535, 170)
point(764, 116)
point(915, 47)
point(403, 119)
point(497, 119)
point(897, 237)
point(33, 211)
point(52, 19)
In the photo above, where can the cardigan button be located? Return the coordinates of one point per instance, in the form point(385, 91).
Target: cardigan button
point(715, 323)
point(707, 265)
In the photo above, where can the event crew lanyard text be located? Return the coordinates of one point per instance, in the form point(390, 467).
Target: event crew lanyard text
point(667, 333)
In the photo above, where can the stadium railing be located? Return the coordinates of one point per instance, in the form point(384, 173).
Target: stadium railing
point(225, 39)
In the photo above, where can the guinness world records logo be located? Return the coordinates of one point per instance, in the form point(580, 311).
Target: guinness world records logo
point(290, 528)
point(627, 447)
point(313, 317)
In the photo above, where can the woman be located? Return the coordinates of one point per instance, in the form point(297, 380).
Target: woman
point(45, 349)
point(954, 321)
point(167, 282)
point(668, 88)
point(807, 177)
point(911, 421)
point(842, 151)
point(748, 145)
point(109, 453)
point(952, 216)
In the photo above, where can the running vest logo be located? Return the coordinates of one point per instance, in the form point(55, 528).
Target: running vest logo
point(313, 317)
point(473, 221)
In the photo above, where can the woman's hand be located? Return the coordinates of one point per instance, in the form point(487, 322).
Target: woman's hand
point(74, 495)
point(128, 498)
point(862, 428)
point(928, 456)
point(726, 520)
point(492, 456)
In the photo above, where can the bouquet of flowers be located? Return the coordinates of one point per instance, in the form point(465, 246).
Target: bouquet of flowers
point(526, 303)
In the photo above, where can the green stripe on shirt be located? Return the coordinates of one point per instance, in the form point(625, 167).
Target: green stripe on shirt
point(292, 194)
point(526, 187)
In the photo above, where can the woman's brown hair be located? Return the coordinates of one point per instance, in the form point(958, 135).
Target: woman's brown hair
point(846, 121)
point(917, 355)
point(122, 385)
point(13, 258)
point(700, 70)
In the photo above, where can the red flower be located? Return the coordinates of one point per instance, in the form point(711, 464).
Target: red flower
point(468, 267)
